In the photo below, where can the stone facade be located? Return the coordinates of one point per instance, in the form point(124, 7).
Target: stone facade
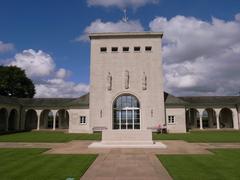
point(125, 65)
point(128, 70)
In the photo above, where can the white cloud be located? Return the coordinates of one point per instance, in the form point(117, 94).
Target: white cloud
point(62, 73)
point(121, 3)
point(35, 63)
point(49, 81)
point(120, 26)
point(60, 88)
point(200, 57)
point(6, 47)
point(237, 17)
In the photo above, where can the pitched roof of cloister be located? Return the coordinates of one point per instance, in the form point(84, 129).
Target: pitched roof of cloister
point(213, 100)
point(171, 100)
point(8, 100)
point(83, 101)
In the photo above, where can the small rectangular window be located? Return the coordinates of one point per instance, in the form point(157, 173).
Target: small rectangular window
point(137, 49)
point(125, 49)
point(171, 119)
point(82, 119)
point(114, 49)
point(103, 49)
point(148, 48)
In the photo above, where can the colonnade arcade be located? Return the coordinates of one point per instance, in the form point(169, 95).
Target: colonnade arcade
point(46, 119)
point(212, 118)
point(33, 119)
point(9, 119)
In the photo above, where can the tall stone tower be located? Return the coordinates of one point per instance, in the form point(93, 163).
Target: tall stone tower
point(126, 81)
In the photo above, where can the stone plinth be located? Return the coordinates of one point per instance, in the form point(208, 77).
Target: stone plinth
point(127, 135)
point(127, 139)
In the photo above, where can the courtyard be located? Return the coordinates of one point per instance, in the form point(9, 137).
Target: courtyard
point(205, 154)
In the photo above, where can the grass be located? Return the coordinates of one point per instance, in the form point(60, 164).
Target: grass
point(40, 136)
point(204, 136)
point(47, 137)
point(224, 164)
point(31, 164)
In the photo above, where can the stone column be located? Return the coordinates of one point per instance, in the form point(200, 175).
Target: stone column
point(201, 124)
point(210, 118)
point(200, 117)
point(235, 118)
point(238, 116)
point(22, 123)
point(54, 119)
point(38, 118)
point(7, 116)
point(195, 119)
point(217, 117)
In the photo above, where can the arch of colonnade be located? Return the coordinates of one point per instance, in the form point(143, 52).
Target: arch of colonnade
point(202, 118)
point(33, 119)
point(9, 119)
point(47, 119)
point(212, 118)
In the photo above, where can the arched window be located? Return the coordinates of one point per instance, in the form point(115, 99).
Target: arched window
point(126, 112)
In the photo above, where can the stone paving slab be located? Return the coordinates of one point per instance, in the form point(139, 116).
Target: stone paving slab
point(81, 147)
point(117, 165)
point(173, 147)
point(29, 145)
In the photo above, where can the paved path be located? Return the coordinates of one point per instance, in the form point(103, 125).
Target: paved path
point(81, 147)
point(125, 164)
point(119, 165)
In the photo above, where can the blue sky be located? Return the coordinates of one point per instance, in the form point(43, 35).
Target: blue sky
point(53, 26)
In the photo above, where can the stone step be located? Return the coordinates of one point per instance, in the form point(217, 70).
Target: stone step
point(128, 144)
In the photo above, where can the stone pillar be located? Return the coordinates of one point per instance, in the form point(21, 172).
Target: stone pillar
point(201, 124)
point(54, 119)
point(61, 119)
point(210, 118)
point(195, 119)
point(200, 117)
point(22, 123)
point(7, 116)
point(238, 116)
point(235, 118)
point(217, 117)
point(38, 119)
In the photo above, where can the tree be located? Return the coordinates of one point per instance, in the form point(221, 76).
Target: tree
point(14, 83)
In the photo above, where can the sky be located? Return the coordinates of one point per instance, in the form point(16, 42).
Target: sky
point(49, 40)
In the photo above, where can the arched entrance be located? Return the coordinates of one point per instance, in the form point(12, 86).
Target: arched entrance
point(62, 119)
point(192, 118)
point(209, 118)
point(3, 119)
point(126, 112)
point(12, 121)
point(46, 119)
point(31, 120)
point(226, 118)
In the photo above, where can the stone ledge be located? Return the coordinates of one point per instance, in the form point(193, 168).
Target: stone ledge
point(128, 144)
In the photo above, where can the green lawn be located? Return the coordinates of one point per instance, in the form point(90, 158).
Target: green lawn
point(204, 136)
point(29, 164)
point(223, 165)
point(47, 137)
